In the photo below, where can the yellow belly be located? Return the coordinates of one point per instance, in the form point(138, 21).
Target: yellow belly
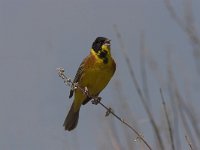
point(95, 79)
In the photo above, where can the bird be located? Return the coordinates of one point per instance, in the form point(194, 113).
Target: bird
point(94, 73)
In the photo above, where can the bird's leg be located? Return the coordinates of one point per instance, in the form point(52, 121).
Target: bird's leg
point(86, 91)
point(96, 100)
point(74, 86)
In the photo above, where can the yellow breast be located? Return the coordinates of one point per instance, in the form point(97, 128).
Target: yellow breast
point(98, 75)
point(95, 76)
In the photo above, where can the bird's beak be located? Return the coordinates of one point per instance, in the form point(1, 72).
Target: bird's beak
point(106, 46)
point(107, 42)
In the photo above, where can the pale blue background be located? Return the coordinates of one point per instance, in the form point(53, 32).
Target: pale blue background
point(37, 36)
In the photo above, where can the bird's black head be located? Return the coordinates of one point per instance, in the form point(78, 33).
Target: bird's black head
point(99, 42)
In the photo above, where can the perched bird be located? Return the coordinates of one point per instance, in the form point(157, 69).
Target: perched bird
point(94, 73)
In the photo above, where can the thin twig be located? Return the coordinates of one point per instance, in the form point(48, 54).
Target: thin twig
point(97, 100)
point(188, 142)
point(173, 103)
point(188, 26)
point(168, 122)
point(127, 110)
point(182, 108)
point(143, 68)
point(139, 91)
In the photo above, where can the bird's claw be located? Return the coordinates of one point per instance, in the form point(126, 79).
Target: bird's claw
point(96, 100)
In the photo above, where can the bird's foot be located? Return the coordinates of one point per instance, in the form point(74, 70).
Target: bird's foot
point(96, 100)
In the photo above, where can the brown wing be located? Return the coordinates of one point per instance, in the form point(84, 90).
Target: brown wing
point(79, 72)
point(77, 77)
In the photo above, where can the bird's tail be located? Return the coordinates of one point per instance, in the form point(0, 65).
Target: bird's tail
point(71, 120)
